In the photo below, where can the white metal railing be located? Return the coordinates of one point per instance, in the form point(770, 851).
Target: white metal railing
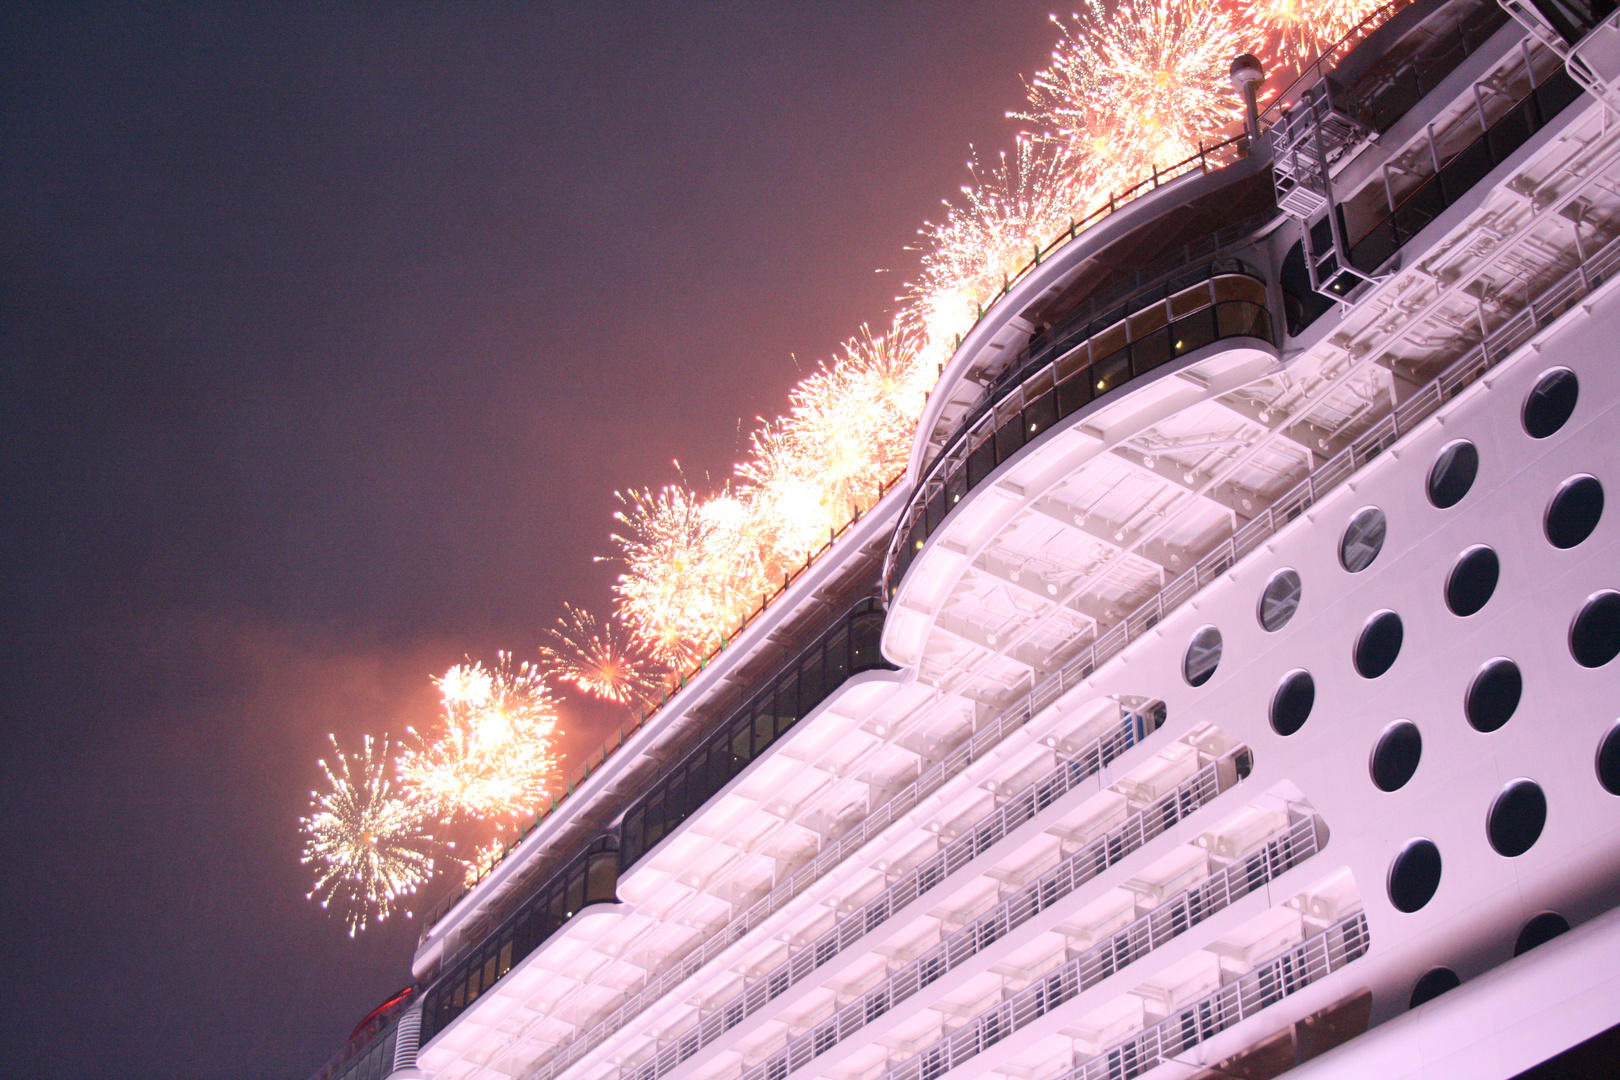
point(1086, 762)
point(1552, 302)
point(1261, 988)
point(956, 948)
point(1130, 943)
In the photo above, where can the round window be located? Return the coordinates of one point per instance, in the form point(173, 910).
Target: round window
point(1363, 539)
point(1453, 473)
point(1517, 817)
point(1472, 581)
point(1540, 930)
point(1434, 982)
point(1396, 756)
point(1574, 511)
point(1494, 694)
point(1291, 704)
point(1608, 761)
point(1203, 656)
point(1279, 600)
point(1594, 636)
point(1549, 405)
point(1379, 644)
point(1414, 875)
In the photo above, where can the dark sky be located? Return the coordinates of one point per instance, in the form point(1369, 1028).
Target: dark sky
point(325, 338)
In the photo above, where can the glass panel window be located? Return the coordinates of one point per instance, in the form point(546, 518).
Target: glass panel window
point(865, 632)
point(1074, 393)
point(601, 877)
point(1110, 372)
point(1193, 332)
point(787, 704)
point(811, 687)
point(1009, 437)
point(576, 890)
point(837, 659)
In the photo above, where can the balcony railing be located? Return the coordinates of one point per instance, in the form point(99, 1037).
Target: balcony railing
point(1228, 304)
point(1112, 955)
point(1311, 960)
point(1084, 763)
point(1136, 939)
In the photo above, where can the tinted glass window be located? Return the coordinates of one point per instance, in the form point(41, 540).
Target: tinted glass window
point(1453, 473)
point(1494, 694)
point(1291, 704)
point(1472, 581)
point(1517, 818)
point(1574, 511)
point(1379, 644)
point(1434, 982)
point(1363, 540)
point(1396, 756)
point(1279, 600)
point(1594, 637)
point(1540, 930)
point(1203, 656)
point(1414, 875)
point(1550, 404)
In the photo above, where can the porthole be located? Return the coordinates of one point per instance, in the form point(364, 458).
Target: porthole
point(1594, 636)
point(1453, 473)
point(1279, 600)
point(1494, 694)
point(1363, 539)
point(1608, 761)
point(1434, 982)
point(1203, 656)
point(1395, 758)
point(1548, 406)
point(1517, 817)
point(1573, 511)
point(1540, 930)
point(1414, 875)
point(1472, 580)
point(1291, 704)
point(1379, 644)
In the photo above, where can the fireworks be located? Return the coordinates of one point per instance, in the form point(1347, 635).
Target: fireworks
point(1136, 89)
point(597, 658)
point(1131, 90)
point(484, 859)
point(1291, 33)
point(494, 756)
point(368, 845)
point(1009, 212)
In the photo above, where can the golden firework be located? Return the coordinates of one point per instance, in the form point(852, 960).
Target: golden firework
point(598, 658)
point(493, 755)
point(369, 846)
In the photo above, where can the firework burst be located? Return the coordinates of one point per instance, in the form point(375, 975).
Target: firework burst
point(1292, 33)
point(693, 567)
point(494, 756)
point(369, 846)
point(598, 658)
point(1137, 88)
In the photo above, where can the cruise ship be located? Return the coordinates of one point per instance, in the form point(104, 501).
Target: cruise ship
point(1228, 687)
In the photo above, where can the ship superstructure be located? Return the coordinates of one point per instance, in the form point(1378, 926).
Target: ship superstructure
point(1228, 687)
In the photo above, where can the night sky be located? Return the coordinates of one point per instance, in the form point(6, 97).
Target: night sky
point(325, 338)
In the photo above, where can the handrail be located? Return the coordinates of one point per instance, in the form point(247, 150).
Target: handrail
point(1147, 932)
point(1314, 958)
point(1262, 863)
point(1086, 762)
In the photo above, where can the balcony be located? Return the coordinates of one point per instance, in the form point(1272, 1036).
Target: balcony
point(1099, 357)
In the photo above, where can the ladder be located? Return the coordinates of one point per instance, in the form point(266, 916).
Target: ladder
point(1308, 139)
